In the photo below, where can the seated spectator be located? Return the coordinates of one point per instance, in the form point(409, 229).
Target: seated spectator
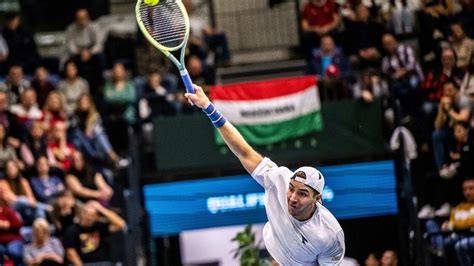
point(3, 55)
point(59, 149)
point(400, 16)
point(453, 108)
point(372, 260)
point(362, 40)
point(64, 211)
point(9, 122)
point(88, 134)
point(120, 95)
point(72, 87)
point(200, 73)
point(86, 49)
point(156, 100)
point(460, 153)
point(467, 84)
point(15, 84)
point(462, 45)
point(27, 111)
point(21, 43)
point(11, 242)
point(432, 19)
point(54, 110)
point(389, 258)
point(206, 38)
point(45, 186)
point(461, 218)
point(42, 85)
point(84, 241)
point(319, 18)
point(7, 152)
point(401, 66)
point(35, 144)
point(330, 65)
point(44, 249)
point(465, 16)
point(86, 183)
point(18, 195)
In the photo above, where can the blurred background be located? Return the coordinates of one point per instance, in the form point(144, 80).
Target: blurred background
point(100, 151)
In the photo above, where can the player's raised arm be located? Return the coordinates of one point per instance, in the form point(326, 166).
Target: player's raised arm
point(249, 158)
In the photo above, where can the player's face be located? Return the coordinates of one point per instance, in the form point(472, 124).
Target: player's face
point(301, 200)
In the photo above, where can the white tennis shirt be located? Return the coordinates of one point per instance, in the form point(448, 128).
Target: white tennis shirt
point(318, 240)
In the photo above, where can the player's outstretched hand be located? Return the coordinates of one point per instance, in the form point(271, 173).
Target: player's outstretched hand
point(199, 98)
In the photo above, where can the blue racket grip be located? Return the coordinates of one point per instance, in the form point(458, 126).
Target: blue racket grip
point(188, 83)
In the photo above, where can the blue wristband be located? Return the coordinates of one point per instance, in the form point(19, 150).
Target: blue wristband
point(217, 119)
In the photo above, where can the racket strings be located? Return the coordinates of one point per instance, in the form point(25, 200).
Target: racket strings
point(165, 23)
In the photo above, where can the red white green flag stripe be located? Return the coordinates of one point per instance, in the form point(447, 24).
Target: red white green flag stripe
point(270, 111)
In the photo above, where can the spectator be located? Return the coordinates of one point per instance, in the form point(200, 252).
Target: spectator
point(42, 85)
point(86, 49)
point(461, 218)
point(3, 55)
point(86, 183)
point(363, 39)
point(9, 122)
point(15, 84)
point(72, 87)
point(432, 87)
point(462, 45)
point(21, 44)
point(206, 38)
point(54, 110)
point(453, 108)
point(46, 187)
point(59, 149)
point(27, 111)
point(120, 95)
point(467, 84)
point(432, 19)
point(11, 242)
point(82, 38)
point(330, 65)
point(460, 153)
point(7, 152)
point(64, 211)
point(88, 134)
point(402, 67)
point(84, 240)
point(400, 16)
point(44, 249)
point(466, 17)
point(319, 17)
point(18, 194)
point(200, 73)
point(389, 258)
point(35, 145)
point(156, 100)
point(372, 260)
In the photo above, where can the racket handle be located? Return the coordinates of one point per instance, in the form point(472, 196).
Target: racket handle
point(188, 83)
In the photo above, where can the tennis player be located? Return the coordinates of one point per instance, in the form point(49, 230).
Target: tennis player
point(300, 230)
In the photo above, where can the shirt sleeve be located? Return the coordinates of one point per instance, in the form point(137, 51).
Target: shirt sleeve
point(57, 247)
point(263, 170)
point(28, 254)
point(335, 254)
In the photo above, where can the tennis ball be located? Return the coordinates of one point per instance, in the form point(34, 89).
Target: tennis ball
point(151, 2)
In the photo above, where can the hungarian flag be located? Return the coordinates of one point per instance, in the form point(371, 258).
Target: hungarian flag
point(270, 111)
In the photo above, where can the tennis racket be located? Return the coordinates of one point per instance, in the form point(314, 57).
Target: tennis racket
point(166, 26)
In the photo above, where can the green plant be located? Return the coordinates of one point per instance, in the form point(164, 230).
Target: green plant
point(248, 249)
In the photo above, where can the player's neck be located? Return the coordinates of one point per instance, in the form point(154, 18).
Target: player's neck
point(307, 215)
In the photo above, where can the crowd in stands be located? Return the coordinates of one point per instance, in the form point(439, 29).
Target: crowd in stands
point(417, 58)
point(57, 163)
